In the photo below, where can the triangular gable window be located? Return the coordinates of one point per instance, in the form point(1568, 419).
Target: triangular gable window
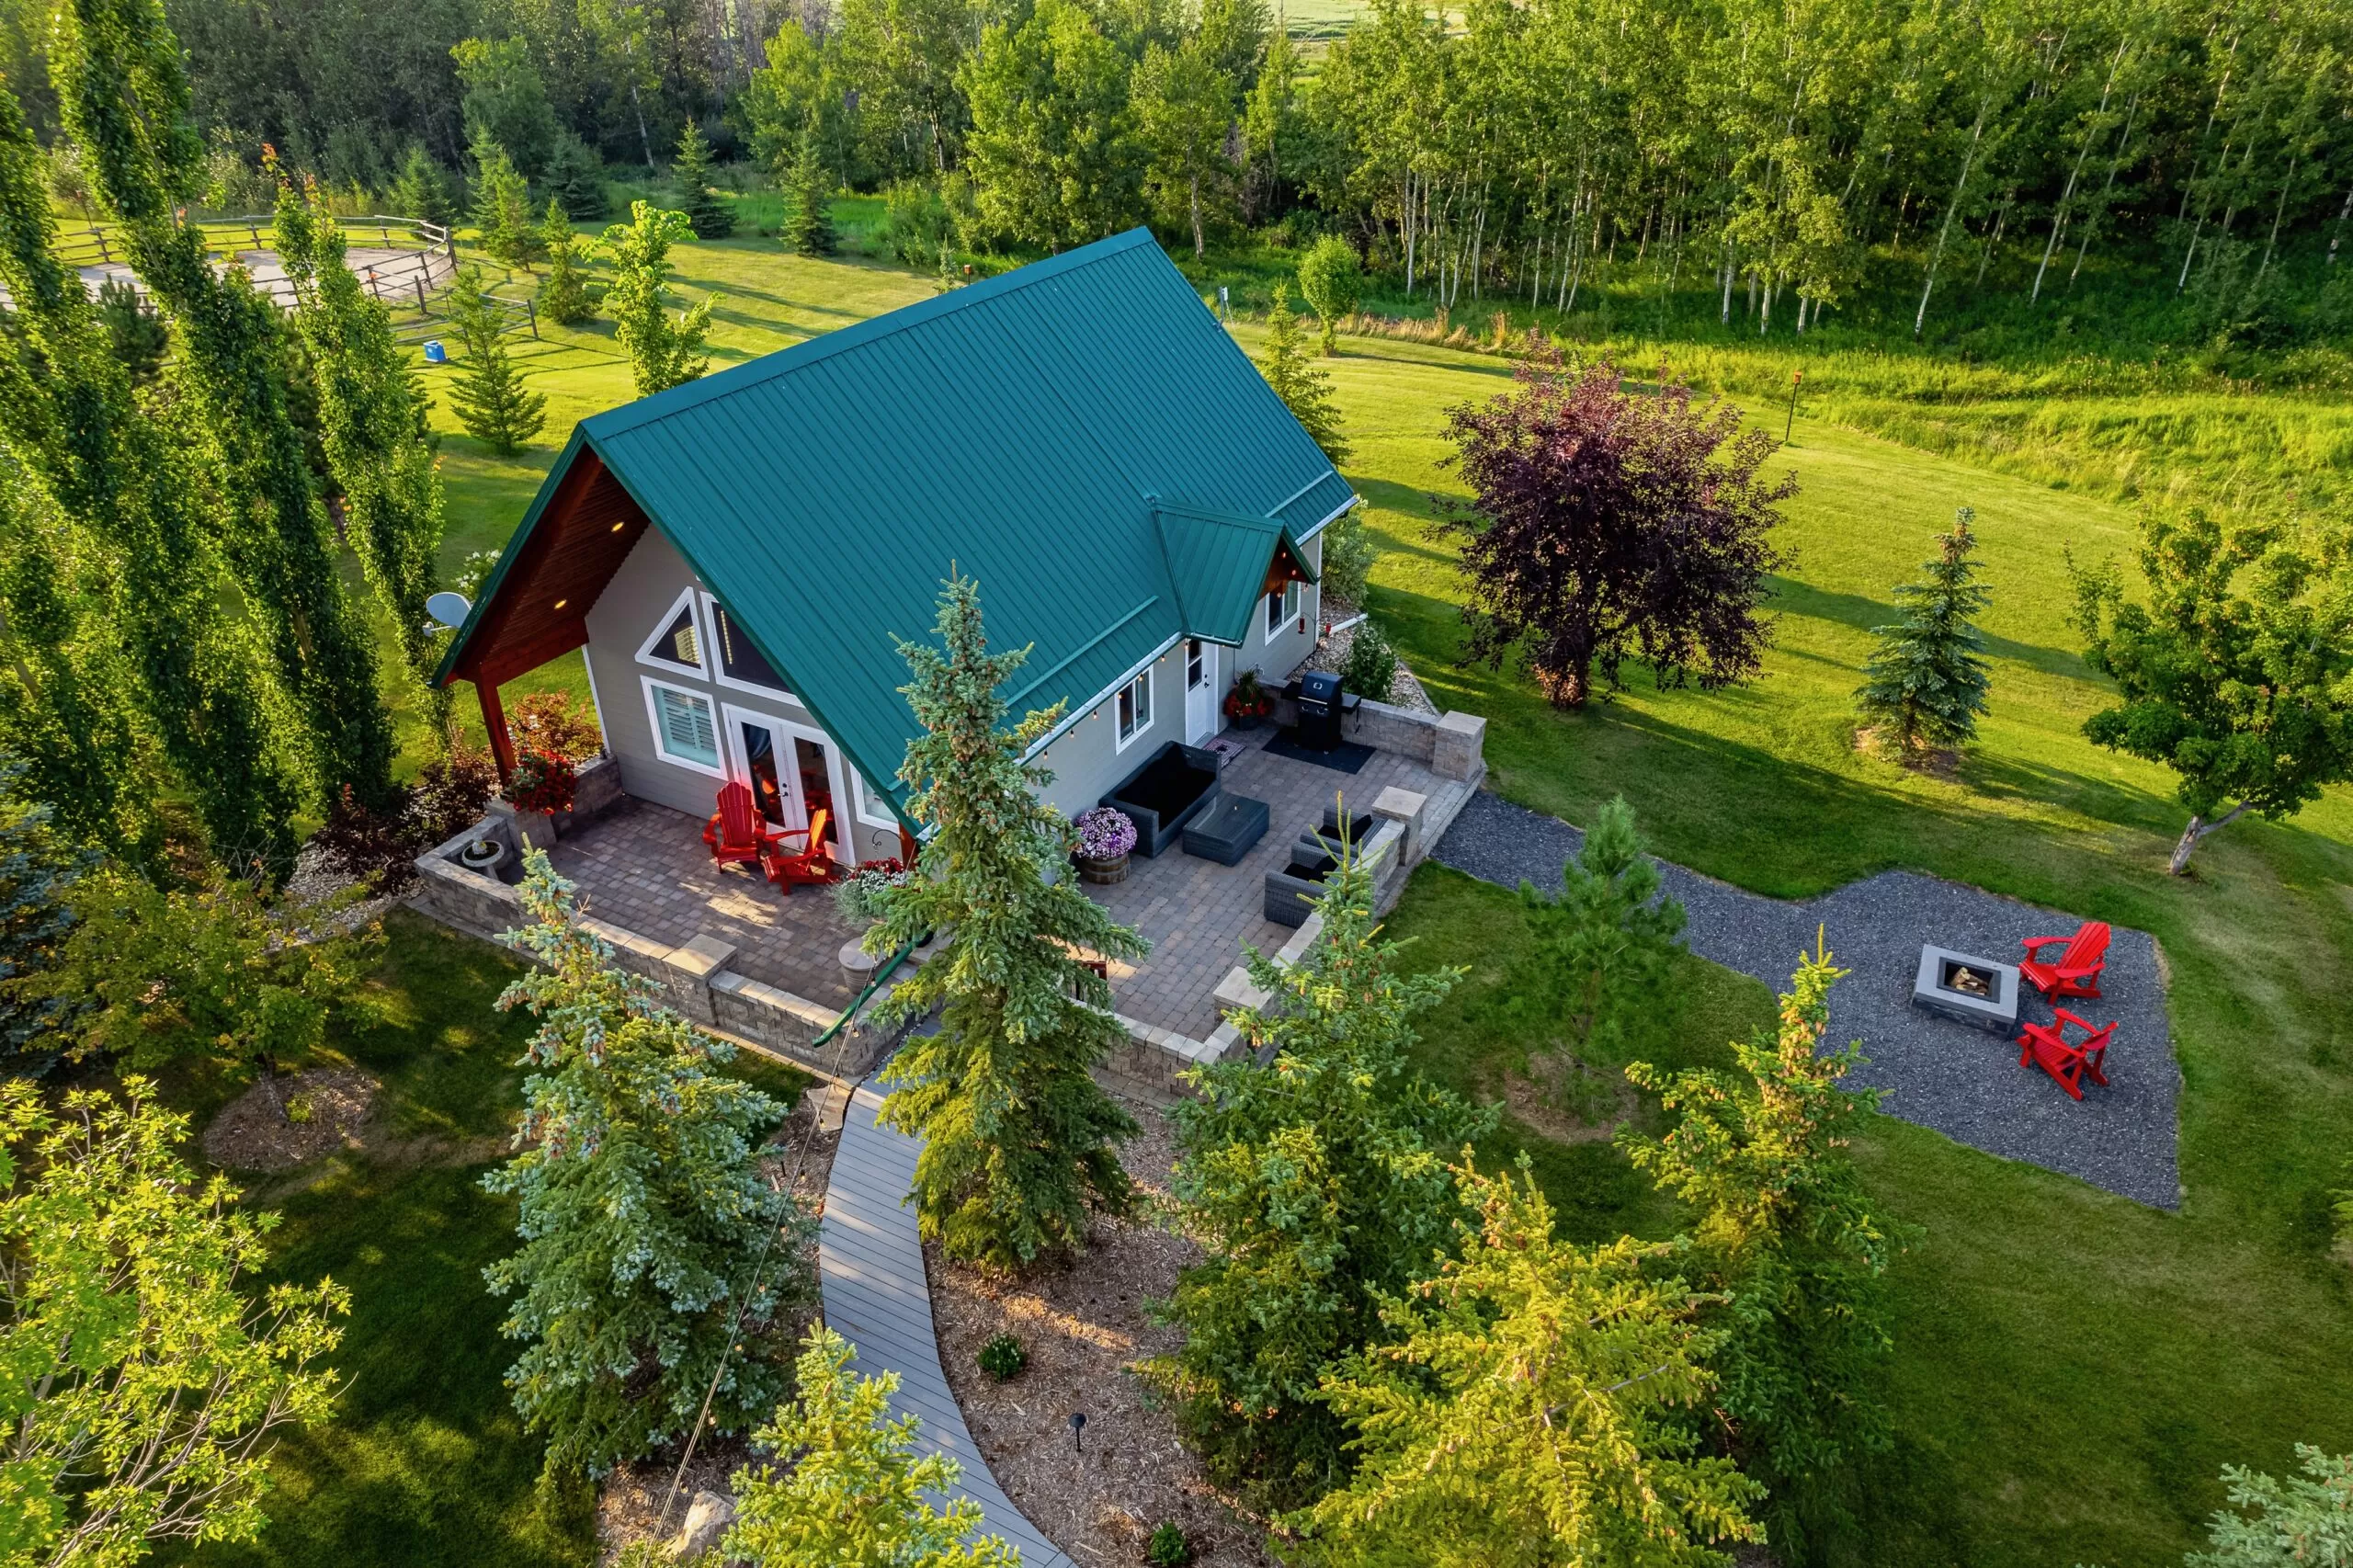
point(740, 663)
point(677, 641)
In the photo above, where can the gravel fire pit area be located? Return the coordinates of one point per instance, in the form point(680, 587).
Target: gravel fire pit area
point(1937, 1072)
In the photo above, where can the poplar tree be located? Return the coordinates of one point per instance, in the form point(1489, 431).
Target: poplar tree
point(1304, 386)
point(1925, 683)
point(712, 217)
point(663, 353)
point(644, 1219)
point(1786, 1231)
point(372, 426)
point(1183, 105)
point(1316, 1184)
point(1537, 1408)
point(94, 460)
point(1018, 1138)
point(488, 396)
point(124, 98)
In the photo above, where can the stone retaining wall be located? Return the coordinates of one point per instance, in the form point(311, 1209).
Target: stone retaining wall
point(701, 984)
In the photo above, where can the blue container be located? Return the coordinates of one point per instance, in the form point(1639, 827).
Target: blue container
point(433, 353)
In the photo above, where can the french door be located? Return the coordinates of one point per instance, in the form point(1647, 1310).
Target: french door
point(1200, 691)
point(794, 771)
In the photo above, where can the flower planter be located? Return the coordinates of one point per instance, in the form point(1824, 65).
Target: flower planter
point(1102, 873)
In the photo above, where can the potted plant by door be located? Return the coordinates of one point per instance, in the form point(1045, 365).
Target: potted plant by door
point(1248, 702)
point(1105, 837)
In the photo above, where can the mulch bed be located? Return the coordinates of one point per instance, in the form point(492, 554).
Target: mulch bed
point(252, 1134)
point(1331, 653)
point(1083, 1325)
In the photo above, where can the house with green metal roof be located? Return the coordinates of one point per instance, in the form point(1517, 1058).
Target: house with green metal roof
point(738, 556)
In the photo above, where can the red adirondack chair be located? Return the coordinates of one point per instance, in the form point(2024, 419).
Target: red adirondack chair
point(813, 863)
point(2076, 972)
point(736, 833)
point(2045, 1046)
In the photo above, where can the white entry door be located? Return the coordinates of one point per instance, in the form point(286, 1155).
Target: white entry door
point(1200, 691)
point(794, 772)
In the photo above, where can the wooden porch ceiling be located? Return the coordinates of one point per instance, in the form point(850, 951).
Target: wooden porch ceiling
point(539, 609)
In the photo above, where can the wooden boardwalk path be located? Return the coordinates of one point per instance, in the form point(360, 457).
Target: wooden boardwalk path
point(870, 1265)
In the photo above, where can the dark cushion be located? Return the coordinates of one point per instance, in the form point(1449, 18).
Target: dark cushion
point(1167, 784)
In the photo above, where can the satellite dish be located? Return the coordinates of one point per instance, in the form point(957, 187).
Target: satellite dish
point(449, 609)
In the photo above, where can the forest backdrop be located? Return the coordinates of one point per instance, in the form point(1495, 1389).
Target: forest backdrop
point(2175, 172)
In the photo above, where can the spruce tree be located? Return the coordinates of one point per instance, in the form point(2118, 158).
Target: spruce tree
point(809, 228)
point(372, 429)
point(853, 1490)
point(1539, 1407)
point(564, 297)
point(1018, 1137)
point(101, 465)
point(502, 209)
point(1602, 948)
point(663, 353)
point(1304, 386)
point(124, 98)
point(488, 396)
point(1317, 1184)
point(1926, 684)
point(644, 1218)
point(1786, 1231)
point(421, 190)
point(712, 216)
point(576, 178)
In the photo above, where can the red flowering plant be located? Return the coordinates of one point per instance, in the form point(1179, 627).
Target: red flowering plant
point(542, 783)
point(1248, 699)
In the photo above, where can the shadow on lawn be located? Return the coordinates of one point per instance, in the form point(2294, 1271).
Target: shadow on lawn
point(1792, 596)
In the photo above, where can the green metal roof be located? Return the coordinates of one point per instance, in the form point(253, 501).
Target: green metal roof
point(1218, 564)
point(1023, 430)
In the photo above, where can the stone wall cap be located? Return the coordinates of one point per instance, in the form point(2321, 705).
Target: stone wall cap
point(703, 956)
point(1456, 723)
point(1396, 800)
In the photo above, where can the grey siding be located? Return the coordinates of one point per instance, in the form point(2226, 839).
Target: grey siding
point(642, 594)
point(1086, 759)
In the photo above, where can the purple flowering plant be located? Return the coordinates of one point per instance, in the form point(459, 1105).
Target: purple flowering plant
point(1105, 833)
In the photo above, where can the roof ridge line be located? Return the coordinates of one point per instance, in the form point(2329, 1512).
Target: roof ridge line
point(825, 345)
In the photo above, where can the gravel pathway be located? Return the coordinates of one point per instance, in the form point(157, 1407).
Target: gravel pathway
point(1962, 1082)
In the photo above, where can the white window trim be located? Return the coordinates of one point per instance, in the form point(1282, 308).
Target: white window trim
point(645, 654)
point(718, 661)
point(871, 811)
point(785, 731)
point(1151, 710)
point(661, 747)
point(1293, 602)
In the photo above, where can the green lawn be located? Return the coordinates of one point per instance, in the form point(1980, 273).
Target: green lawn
point(427, 1463)
point(2076, 1369)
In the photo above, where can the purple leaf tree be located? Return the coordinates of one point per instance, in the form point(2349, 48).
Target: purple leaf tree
point(1605, 523)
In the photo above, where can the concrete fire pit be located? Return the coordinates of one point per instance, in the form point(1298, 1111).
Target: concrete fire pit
point(1968, 990)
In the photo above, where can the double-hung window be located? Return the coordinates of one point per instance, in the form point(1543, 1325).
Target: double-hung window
point(1133, 707)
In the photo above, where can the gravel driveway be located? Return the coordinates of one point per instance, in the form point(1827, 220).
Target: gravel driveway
point(1962, 1082)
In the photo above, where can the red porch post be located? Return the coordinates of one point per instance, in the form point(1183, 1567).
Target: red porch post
point(494, 718)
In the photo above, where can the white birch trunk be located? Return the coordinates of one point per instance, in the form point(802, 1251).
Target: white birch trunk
point(1944, 230)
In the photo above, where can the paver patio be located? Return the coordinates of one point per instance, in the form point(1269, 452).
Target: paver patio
point(644, 868)
point(1198, 915)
